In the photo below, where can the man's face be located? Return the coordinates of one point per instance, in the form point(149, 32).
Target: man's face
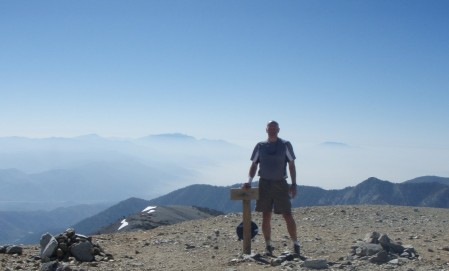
point(272, 129)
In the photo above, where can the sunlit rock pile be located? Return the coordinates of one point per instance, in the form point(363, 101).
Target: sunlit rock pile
point(379, 248)
point(68, 246)
point(375, 248)
point(58, 252)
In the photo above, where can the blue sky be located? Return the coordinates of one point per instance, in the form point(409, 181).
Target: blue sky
point(371, 74)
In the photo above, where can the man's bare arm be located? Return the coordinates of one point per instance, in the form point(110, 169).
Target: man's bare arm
point(251, 174)
point(252, 170)
point(292, 169)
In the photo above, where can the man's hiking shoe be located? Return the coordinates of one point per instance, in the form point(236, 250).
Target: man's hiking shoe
point(269, 250)
point(296, 249)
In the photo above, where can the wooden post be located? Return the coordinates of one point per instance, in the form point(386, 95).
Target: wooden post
point(246, 195)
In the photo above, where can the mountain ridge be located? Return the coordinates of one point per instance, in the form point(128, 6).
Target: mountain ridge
point(154, 216)
point(425, 193)
point(429, 179)
point(370, 191)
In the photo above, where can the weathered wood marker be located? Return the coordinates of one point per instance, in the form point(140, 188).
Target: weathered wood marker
point(246, 195)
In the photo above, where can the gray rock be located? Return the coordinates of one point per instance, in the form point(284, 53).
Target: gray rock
point(315, 264)
point(50, 266)
point(409, 249)
point(3, 249)
point(70, 232)
point(14, 250)
point(48, 245)
point(65, 267)
point(282, 258)
point(276, 262)
point(381, 257)
point(395, 248)
point(64, 248)
point(372, 237)
point(370, 249)
point(81, 237)
point(398, 261)
point(394, 262)
point(82, 251)
point(59, 253)
point(384, 240)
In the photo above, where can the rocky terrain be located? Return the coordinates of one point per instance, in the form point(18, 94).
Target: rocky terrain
point(329, 237)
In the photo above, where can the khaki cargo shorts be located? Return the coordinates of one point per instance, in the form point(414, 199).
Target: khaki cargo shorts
point(273, 194)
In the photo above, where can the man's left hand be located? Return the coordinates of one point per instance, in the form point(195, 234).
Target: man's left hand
point(293, 190)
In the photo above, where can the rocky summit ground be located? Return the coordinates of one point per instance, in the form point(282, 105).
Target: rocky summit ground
point(326, 233)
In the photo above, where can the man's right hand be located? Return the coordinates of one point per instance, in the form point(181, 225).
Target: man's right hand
point(246, 186)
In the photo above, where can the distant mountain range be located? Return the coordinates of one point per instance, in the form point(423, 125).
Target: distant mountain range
point(58, 172)
point(429, 191)
point(426, 191)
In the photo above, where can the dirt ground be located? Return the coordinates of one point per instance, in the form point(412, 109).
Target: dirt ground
point(212, 244)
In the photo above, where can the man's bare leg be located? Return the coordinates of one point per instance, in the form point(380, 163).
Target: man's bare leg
point(291, 226)
point(266, 230)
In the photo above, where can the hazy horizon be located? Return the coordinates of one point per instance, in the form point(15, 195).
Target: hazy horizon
point(329, 165)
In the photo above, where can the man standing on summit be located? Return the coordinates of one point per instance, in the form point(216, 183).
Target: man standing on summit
point(272, 157)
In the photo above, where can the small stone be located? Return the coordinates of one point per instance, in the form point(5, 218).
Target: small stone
point(384, 240)
point(50, 266)
point(189, 246)
point(3, 249)
point(14, 250)
point(394, 261)
point(70, 232)
point(381, 257)
point(315, 264)
point(59, 253)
